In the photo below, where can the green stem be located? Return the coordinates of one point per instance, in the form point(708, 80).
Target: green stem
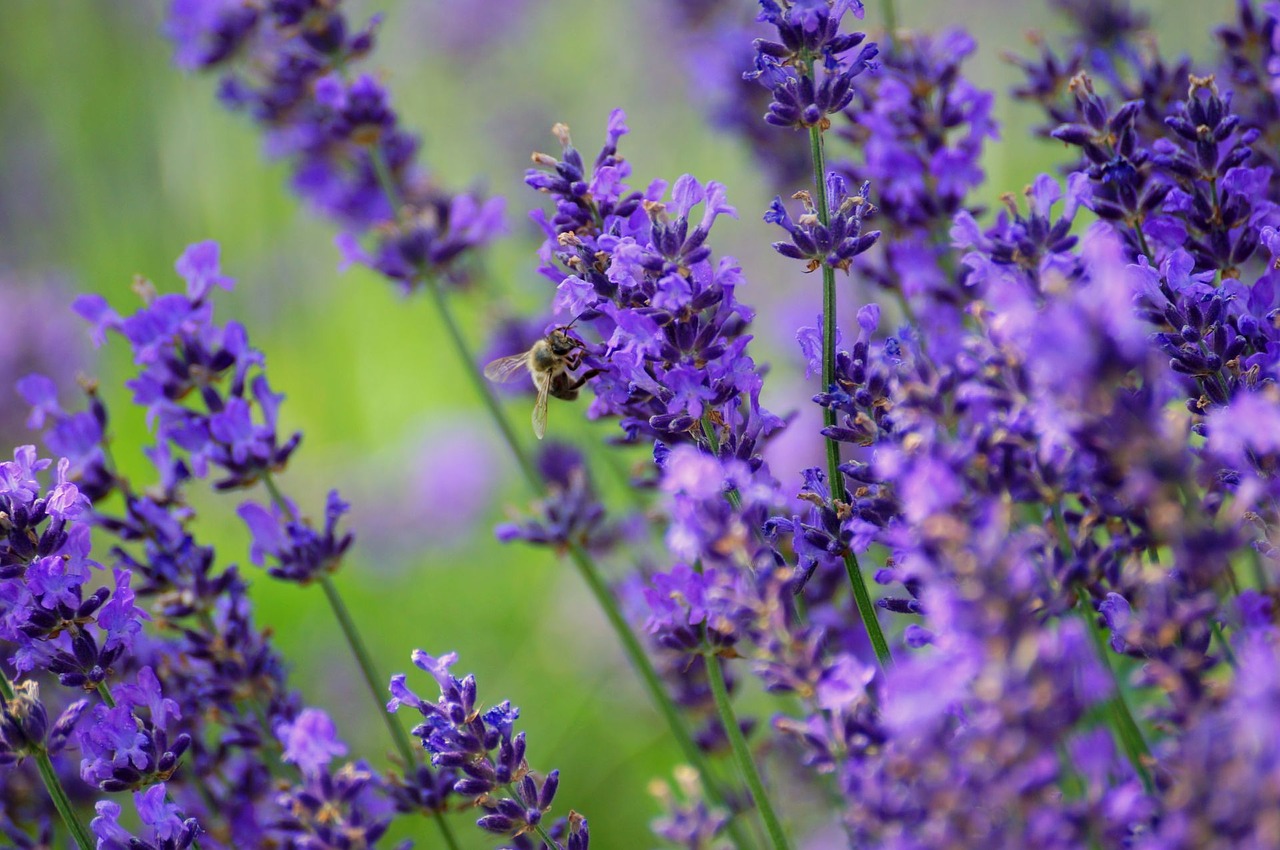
point(483, 388)
point(446, 831)
point(1122, 721)
point(867, 609)
point(370, 675)
point(61, 801)
point(105, 694)
point(364, 660)
point(1226, 646)
point(1120, 717)
point(861, 597)
point(890, 15)
point(715, 675)
point(635, 653)
point(367, 669)
point(713, 443)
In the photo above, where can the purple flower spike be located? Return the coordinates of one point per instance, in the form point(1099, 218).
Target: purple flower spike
point(489, 754)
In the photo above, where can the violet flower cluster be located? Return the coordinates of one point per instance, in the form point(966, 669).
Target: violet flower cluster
point(1059, 465)
point(190, 708)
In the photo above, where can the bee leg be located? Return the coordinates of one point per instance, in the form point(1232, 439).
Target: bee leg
point(583, 378)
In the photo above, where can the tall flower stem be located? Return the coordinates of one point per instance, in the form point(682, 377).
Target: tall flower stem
point(57, 794)
point(741, 754)
point(364, 660)
point(371, 679)
point(61, 802)
point(890, 15)
point(861, 597)
point(1119, 715)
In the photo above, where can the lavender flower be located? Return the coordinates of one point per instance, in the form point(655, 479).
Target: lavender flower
point(331, 808)
point(570, 513)
point(164, 826)
point(835, 243)
point(714, 39)
point(487, 752)
point(687, 821)
point(1065, 464)
point(1223, 771)
point(918, 129)
point(671, 355)
point(126, 748)
point(809, 37)
point(300, 553)
point(181, 352)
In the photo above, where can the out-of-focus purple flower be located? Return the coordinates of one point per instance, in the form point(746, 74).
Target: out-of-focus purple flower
point(687, 820)
point(485, 26)
point(432, 488)
point(1223, 772)
point(714, 39)
point(310, 741)
point(43, 341)
point(291, 67)
point(347, 807)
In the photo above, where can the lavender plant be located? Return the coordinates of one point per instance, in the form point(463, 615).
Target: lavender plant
point(1058, 471)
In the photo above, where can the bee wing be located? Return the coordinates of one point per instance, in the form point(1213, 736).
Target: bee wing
point(543, 381)
point(506, 368)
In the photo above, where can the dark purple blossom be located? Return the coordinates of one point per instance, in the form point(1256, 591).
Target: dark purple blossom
point(808, 38)
point(164, 828)
point(486, 751)
point(570, 512)
point(835, 243)
point(298, 552)
point(132, 744)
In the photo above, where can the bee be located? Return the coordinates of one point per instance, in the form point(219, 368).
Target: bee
point(549, 363)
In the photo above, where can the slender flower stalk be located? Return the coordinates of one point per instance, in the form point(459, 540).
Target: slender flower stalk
point(350, 632)
point(61, 802)
point(364, 660)
point(1120, 716)
point(857, 581)
point(890, 13)
point(742, 754)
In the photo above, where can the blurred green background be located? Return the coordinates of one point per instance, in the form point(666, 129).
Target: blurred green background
point(111, 161)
